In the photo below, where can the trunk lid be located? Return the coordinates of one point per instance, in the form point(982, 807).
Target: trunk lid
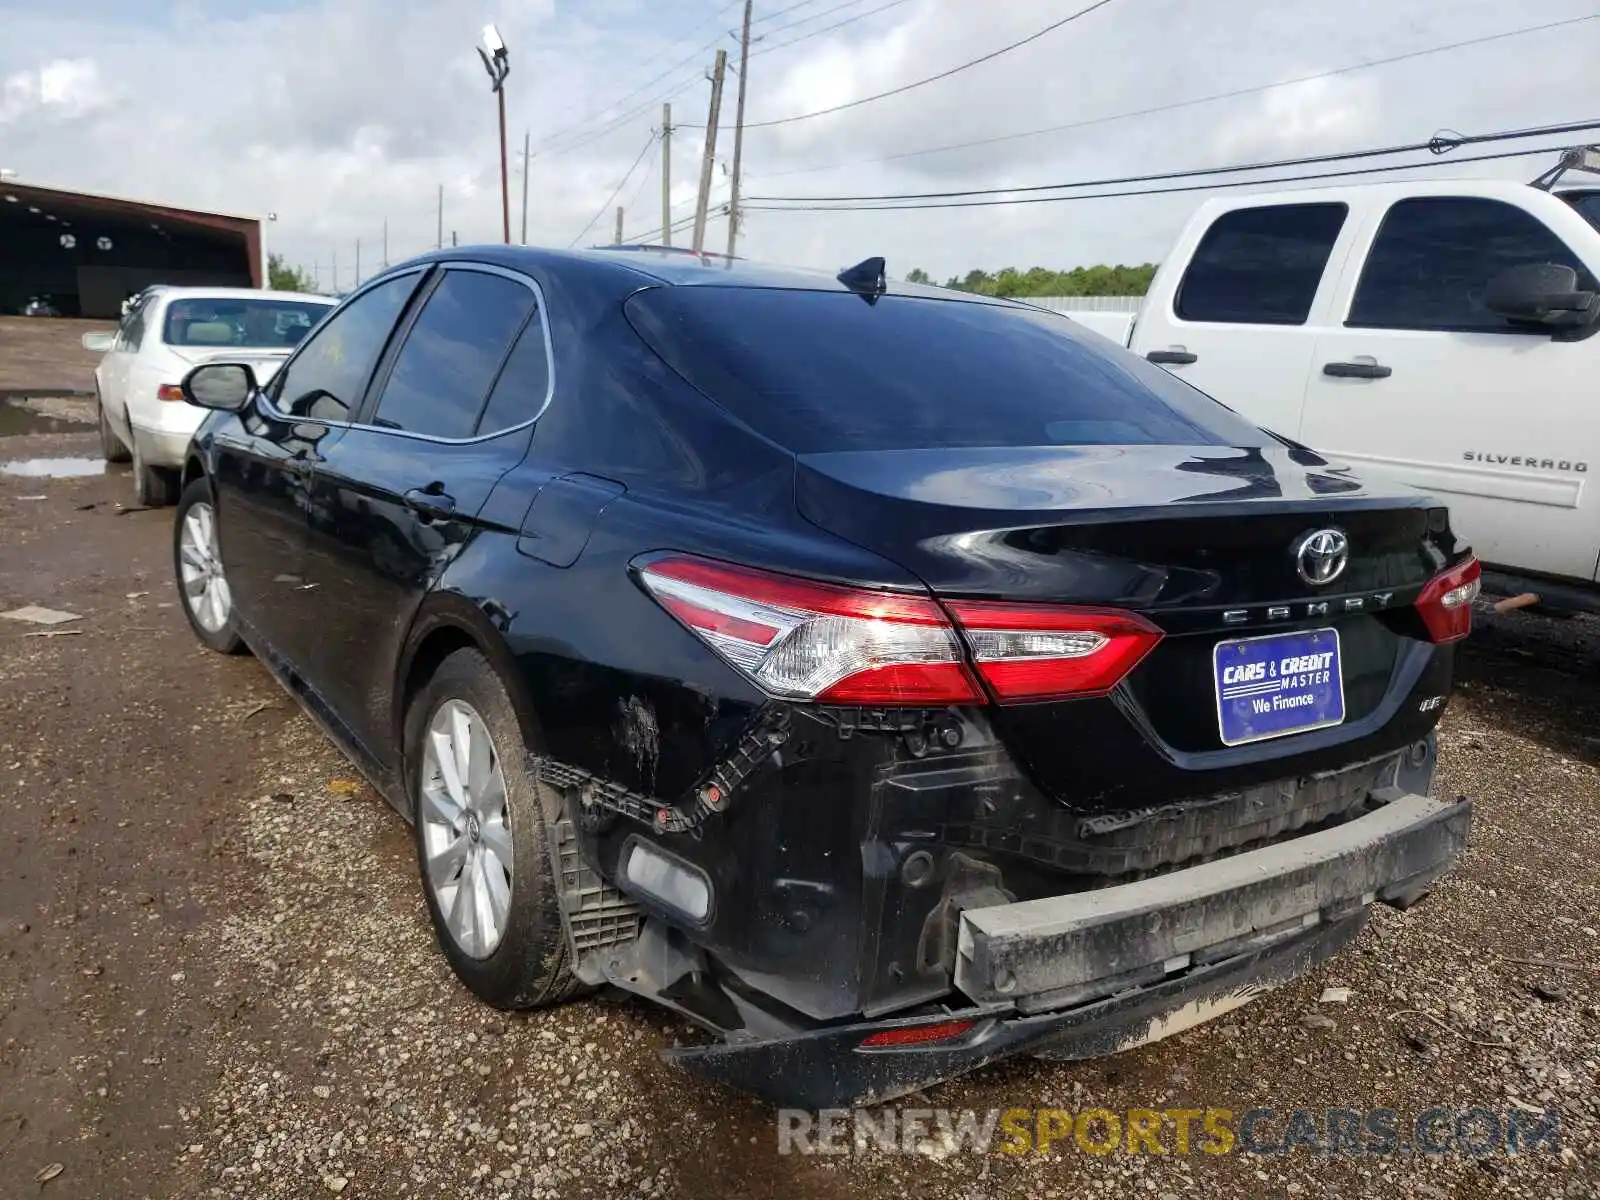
point(1201, 540)
point(264, 362)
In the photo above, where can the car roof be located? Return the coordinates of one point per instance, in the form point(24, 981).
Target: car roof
point(634, 267)
point(169, 293)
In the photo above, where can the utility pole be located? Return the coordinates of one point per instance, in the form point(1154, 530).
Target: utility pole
point(358, 263)
point(666, 174)
point(617, 241)
point(738, 132)
point(386, 243)
point(527, 169)
point(452, 238)
point(439, 245)
point(710, 156)
point(335, 272)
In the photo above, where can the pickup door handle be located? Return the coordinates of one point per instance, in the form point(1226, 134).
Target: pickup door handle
point(1177, 358)
point(1356, 370)
point(430, 505)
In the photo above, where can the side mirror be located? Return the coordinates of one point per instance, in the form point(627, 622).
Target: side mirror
point(225, 386)
point(98, 342)
point(1541, 293)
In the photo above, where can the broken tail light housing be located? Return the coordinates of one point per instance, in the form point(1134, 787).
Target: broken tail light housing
point(803, 640)
point(1034, 652)
point(1446, 603)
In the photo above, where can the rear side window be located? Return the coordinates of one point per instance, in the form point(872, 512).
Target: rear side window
point(520, 392)
point(1434, 255)
point(1260, 266)
point(442, 375)
point(1588, 206)
point(820, 371)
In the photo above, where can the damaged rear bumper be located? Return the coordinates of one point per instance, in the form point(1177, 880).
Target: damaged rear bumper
point(1095, 972)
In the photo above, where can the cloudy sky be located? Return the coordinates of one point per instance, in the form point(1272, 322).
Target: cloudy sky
point(340, 114)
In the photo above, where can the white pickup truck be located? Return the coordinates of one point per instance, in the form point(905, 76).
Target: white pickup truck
point(1436, 331)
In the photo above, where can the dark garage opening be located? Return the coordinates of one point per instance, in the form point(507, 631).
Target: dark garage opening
point(88, 253)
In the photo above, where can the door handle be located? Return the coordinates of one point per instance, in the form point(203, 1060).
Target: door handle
point(1177, 358)
point(430, 505)
point(1356, 370)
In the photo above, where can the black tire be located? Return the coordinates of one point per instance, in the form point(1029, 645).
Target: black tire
point(111, 447)
point(531, 965)
point(226, 639)
point(153, 487)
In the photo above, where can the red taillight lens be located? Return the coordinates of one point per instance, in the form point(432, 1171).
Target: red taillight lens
point(1030, 652)
point(917, 1035)
point(803, 640)
point(170, 391)
point(1446, 603)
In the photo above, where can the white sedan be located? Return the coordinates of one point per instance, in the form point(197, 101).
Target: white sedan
point(166, 331)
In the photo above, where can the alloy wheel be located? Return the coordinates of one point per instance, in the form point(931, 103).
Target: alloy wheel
point(466, 832)
point(205, 587)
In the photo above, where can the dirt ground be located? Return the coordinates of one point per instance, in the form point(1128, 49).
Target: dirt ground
point(217, 976)
point(46, 357)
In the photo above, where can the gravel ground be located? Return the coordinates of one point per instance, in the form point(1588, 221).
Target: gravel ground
point(217, 976)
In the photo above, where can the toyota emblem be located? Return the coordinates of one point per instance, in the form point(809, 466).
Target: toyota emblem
point(1322, 556)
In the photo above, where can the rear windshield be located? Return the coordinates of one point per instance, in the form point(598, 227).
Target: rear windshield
point(824, 371)
point(1587, 204)
point(268, 324)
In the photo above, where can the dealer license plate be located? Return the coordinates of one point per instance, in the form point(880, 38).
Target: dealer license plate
point(1273, 686)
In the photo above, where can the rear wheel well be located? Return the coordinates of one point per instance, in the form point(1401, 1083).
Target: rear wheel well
point(437, 646)
point(192, 470)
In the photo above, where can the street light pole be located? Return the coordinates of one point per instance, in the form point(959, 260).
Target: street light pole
point(497, 61)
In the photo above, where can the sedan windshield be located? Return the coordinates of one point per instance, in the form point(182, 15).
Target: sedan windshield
point(264, 324)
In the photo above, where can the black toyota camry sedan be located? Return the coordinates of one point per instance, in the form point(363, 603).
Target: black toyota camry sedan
point(888, 680)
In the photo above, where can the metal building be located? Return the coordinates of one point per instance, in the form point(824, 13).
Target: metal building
point(87, 252)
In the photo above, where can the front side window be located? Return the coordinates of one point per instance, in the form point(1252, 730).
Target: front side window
point(1260, 266)
point(1434, 256)
point(453, 353)
point(327, 378)
point(258, 324)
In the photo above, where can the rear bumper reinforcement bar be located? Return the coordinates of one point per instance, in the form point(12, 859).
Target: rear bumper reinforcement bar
point(1043, 954)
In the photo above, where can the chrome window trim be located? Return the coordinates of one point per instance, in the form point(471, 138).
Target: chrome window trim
point(277, 414)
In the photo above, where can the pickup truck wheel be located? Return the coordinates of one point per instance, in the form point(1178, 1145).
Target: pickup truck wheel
point(153, 487)
point(197, 564)
point(481, 843)
point(111, 447)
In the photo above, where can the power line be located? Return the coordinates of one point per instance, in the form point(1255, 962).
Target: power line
point(1194, 187)
point(615, 122)
point(816, 16)
point(816, 33)
point(773, 16)
point(660, 54)
point(649, 142)
point(680, 223)
point(1180, 104)
point(1438, 144)
point(956, 70)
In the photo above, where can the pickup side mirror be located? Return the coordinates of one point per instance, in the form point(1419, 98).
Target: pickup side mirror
point(100, 343)
point(224, 386)
point(1544, 294)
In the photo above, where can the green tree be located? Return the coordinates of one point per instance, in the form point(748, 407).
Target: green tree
point(1098, 280)
point(281, 277)
point(918, 275)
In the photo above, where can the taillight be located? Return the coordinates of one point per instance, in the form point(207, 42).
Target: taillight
point(1446, 603)
point(1049, 652)
point(803, 640)
point(170, 391)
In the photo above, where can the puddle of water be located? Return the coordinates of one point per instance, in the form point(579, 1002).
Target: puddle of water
point(53, 468)
point(17, 420)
